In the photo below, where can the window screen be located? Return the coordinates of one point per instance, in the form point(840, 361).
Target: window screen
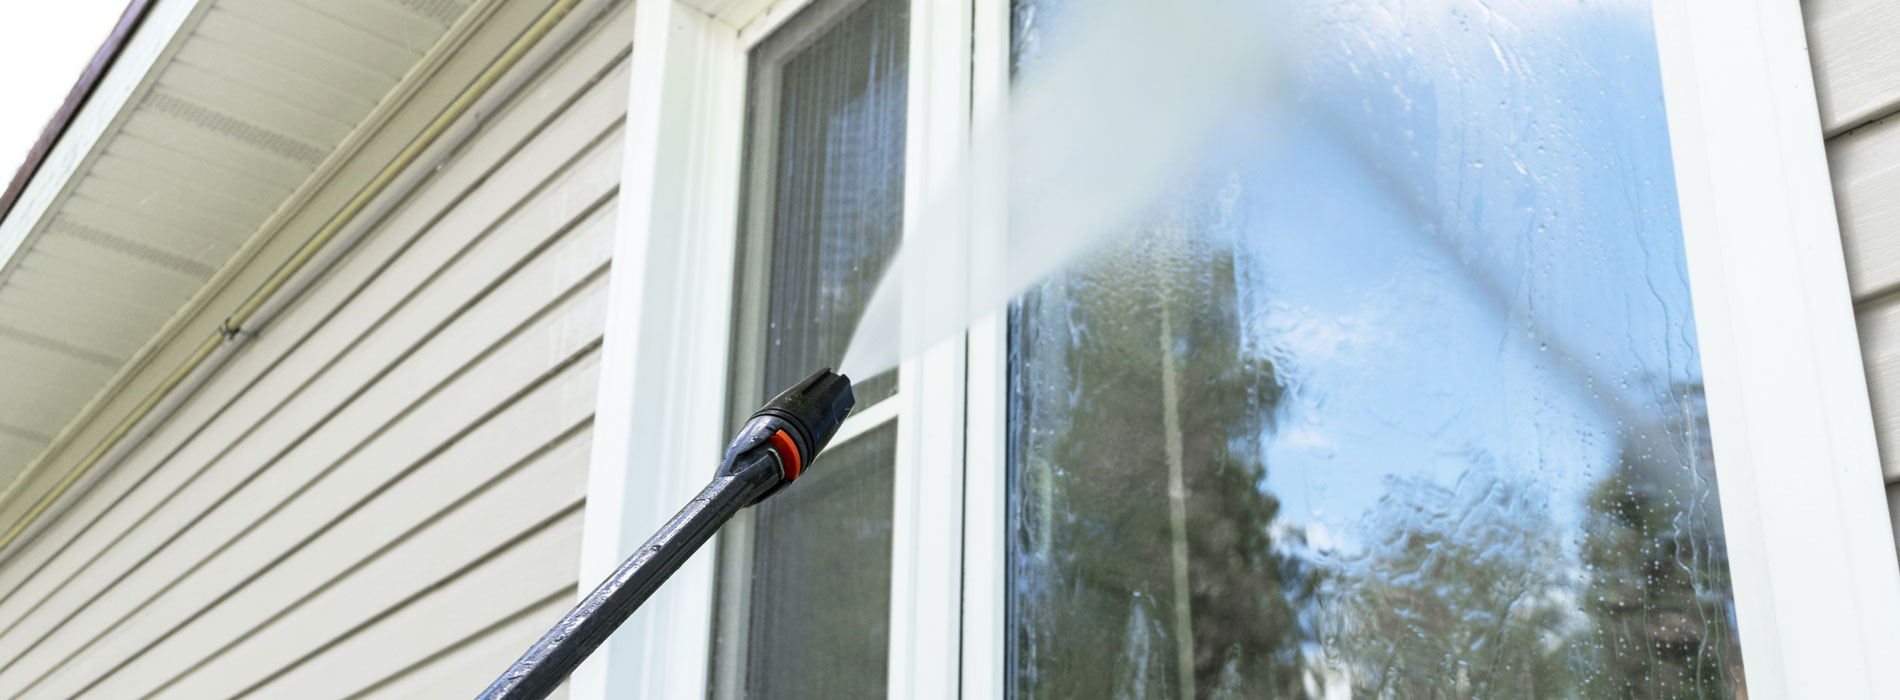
point(805, 582)
point(1402, 402)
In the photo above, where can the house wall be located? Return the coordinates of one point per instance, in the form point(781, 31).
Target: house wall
point(1857, 76)
point(381, 495)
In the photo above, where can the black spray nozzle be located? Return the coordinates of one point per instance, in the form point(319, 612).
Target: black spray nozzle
point(763, 459)
point(813, 410)
point(796, 425)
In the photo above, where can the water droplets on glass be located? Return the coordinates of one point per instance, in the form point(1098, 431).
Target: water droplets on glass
point(1403, 401)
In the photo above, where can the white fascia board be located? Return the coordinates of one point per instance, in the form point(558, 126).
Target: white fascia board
point(111, 101)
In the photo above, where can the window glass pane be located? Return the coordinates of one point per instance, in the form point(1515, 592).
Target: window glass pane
point(828, 107)
point(805, 576)
point(1403, 403)
point(821, 582)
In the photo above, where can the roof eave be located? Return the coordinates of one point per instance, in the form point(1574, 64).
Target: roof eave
point(103, 91)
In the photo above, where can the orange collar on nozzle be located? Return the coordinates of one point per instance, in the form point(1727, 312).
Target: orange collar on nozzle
point(796, 425)
point(812, 410)
point(789, 459)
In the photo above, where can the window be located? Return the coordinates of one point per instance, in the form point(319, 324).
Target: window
point(806, 579)
point(1406, 404)
point(1366, 407)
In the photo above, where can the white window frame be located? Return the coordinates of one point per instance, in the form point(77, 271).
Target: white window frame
point(1812, 556)
point(663, 387)
point(1811, 550)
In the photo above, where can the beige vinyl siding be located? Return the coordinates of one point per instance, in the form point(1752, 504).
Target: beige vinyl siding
point(381, 495)
point(1857, 78)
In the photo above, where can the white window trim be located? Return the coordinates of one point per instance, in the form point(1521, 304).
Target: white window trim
point(661, 407)
point(1816, 582)
point(1811, 551)
point(663, 375)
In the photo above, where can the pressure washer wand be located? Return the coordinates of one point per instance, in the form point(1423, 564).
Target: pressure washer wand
point(770, 451)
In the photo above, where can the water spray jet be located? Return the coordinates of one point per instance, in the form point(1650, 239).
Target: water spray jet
point(1123, 109)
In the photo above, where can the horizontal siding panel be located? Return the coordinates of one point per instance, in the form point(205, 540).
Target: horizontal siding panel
point(1857, 79)
point(504, 510)
point(465, 669)
point(1856, 59)
point(247, 389)
point(409, 537)
point(1865, 165)
point(1880, 351)
point(269, 466)
point(1893, 508)
point(537, 568)
point(271, 517)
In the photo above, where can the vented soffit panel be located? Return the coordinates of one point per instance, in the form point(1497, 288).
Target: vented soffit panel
point(213, 116)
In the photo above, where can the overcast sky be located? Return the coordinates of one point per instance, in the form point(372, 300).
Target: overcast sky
point(44, 46)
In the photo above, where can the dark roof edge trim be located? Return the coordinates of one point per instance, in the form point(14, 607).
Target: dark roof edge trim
point(75, 100)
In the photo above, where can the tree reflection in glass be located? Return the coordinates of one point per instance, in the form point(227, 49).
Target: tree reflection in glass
point(1402, 401)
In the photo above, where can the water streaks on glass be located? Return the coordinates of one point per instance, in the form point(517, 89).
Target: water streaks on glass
point(1397, 399)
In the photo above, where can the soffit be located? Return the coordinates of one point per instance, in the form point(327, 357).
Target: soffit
point(208, 138)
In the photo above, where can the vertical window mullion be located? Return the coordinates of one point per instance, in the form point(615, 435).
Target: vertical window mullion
point(986, 439)
point(926, 586)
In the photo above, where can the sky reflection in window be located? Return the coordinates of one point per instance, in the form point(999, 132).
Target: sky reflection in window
point(1399, 399)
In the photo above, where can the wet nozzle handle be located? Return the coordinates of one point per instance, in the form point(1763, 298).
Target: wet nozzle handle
point(764, 458)
point(812, 410)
